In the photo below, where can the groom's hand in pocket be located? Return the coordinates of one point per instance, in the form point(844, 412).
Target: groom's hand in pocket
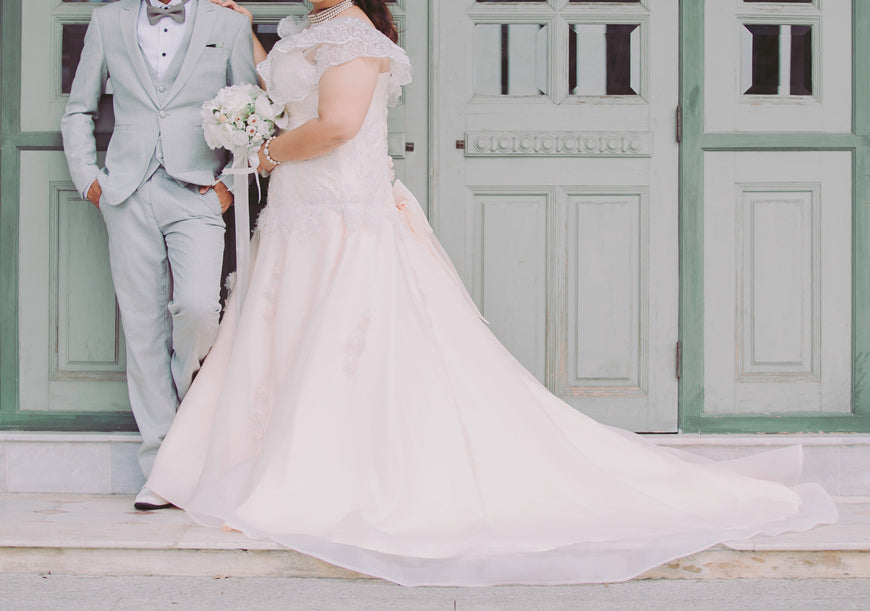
point(225, 196)
point(95, 192)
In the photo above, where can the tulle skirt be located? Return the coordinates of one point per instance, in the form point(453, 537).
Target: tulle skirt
point(357, 409)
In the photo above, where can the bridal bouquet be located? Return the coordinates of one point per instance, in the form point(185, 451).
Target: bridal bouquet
point(240, 118)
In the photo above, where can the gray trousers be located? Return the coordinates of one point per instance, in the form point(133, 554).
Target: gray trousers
point(166, 246)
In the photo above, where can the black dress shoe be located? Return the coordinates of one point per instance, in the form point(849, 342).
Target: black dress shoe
point(148, 501)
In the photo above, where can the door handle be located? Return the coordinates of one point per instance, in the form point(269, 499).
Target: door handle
point(409, 147)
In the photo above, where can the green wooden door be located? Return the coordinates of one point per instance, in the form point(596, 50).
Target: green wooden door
point(63, 356)
point(774, 273)
point(62, 362)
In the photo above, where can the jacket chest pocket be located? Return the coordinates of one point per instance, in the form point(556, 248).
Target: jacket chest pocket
point(212, 64)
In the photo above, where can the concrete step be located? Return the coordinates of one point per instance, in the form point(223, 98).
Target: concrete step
point(105, 463)
point(103, 535)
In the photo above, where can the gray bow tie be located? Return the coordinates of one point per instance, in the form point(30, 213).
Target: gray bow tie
point(174, 12)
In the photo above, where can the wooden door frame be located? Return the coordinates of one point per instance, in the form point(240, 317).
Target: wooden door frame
point(696, 142)
point(12, 142)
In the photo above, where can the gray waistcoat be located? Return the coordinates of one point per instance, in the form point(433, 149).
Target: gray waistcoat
point(163, 85)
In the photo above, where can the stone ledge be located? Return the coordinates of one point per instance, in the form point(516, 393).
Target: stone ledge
point(166, 562)
point(105, 463)
point(733, 564)
point(103, 535)
point(710, 564)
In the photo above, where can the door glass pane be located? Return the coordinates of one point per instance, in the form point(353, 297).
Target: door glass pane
point(777, 59)
point(268, 34)
point(604, 59)
point(510, 59)
point(72, 42)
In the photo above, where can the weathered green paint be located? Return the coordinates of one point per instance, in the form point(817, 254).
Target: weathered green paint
point(861, 215)
point(763, 141)
point(783, 424)
point(692, 214)
point(12, 142)
point(10, 78)
point(695, 143)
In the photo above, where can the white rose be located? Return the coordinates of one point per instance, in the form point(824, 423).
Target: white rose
point(240, 139)
point(283, 122)
point(263, 108)
point(212, 136)
point(226, 136)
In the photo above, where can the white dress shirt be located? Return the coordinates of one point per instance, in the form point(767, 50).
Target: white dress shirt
point(160, 42)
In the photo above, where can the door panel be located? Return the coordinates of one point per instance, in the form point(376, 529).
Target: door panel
point(558, 111)
point(607, 274)
point(508, 231)
point(778, 275)
point(71, 353)
point(777, 247)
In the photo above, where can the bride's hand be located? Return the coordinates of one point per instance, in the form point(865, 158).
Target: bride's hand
point(230, 4)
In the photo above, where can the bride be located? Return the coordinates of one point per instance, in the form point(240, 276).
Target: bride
point(357, 409)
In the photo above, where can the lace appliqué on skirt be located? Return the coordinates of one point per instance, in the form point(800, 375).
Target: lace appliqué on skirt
point(261, 408)
point(356, 344)
point(271, 293)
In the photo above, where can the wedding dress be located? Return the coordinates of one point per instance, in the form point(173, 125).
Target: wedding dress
point(357, 409)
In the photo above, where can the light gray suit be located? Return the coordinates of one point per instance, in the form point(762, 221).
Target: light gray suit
point(165, 239)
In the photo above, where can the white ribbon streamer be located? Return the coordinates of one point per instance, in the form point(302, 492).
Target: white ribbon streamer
point(240, 172)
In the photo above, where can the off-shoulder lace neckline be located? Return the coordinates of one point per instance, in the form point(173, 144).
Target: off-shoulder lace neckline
point(325, 45)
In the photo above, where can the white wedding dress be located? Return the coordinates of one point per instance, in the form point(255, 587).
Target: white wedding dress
point(360, 411)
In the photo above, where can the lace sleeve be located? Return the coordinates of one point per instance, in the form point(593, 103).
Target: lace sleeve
point(287, 76)
point(297, 61)
point(351, 38)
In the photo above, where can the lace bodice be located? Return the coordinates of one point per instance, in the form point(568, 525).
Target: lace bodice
point(354, 179)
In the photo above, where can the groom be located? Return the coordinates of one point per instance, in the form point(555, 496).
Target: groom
point(158, 191)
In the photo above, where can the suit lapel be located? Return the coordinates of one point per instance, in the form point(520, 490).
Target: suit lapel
point(130, 34)
point(202, 27)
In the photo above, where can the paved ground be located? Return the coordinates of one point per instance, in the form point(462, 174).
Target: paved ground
point(99, 593)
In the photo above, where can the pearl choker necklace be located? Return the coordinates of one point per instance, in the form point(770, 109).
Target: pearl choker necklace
point(329, 13)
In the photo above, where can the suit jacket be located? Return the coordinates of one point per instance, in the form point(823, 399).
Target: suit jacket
point(220, 53)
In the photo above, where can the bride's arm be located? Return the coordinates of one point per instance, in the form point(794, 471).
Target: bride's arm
point(259, 49)
point(346, 93)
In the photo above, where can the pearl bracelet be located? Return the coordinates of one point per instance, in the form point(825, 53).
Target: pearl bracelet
point(266, 152)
